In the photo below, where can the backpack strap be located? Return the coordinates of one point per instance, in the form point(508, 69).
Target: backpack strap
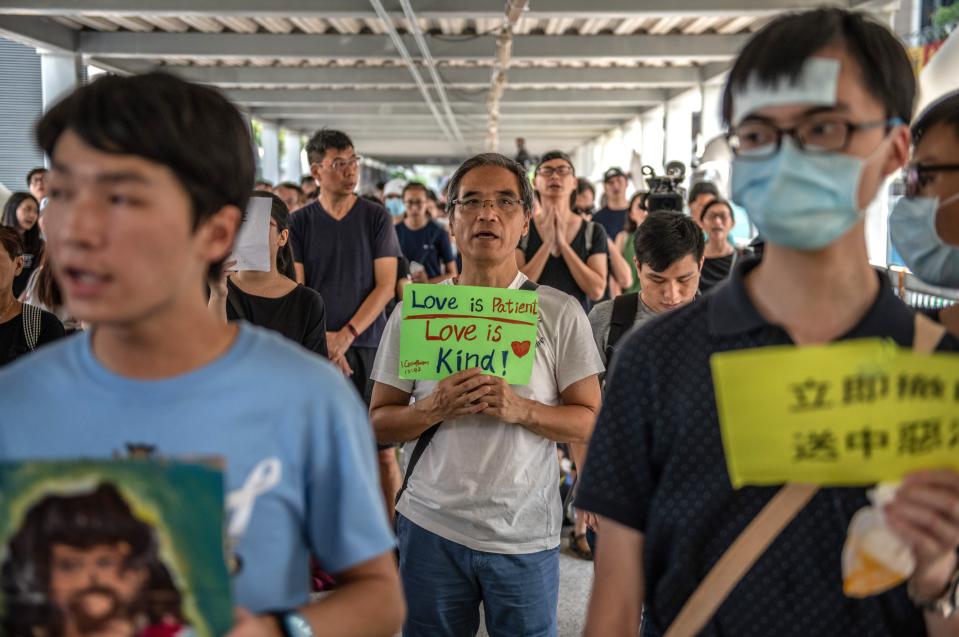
point(32, 318)
point(766, 527)
point(624, 315)
point(424, 440)
point(590, 229)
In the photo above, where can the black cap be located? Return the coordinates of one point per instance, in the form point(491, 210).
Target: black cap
point(613, 172)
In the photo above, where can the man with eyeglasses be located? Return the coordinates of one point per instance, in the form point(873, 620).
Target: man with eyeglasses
point(816, 104)
point(480, 518)
point(924, 225)
point(345, 248)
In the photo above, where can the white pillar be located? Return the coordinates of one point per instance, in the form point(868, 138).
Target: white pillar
point(290, 167)
point(60, 74)
point(270, 139)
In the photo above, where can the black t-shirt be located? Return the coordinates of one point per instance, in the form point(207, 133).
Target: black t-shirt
point(31, 261)
point(429, 246)
point(13, 343)
point(612, 220)
point(715, 270)
point(556, 273)
point(338, 256)
point(300, 315)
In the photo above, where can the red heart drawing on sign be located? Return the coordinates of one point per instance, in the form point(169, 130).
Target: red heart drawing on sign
point(520, 348)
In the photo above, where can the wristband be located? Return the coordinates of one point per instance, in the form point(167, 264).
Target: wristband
point(353, 331)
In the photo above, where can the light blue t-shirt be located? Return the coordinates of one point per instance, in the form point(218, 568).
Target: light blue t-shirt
point(300, 462)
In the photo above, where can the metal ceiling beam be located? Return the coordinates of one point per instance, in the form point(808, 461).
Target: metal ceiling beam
point(398, 44)
point(39, 33)
point(429, 9)
point(469, 121)
point(229, 76)
point(362, 47)
point(309, 98)
point(510, 109)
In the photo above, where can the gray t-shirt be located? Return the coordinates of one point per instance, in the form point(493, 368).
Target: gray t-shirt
point(602, 315)
point(486, 484)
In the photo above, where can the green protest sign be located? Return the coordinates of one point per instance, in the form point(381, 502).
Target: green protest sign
point(449, 328)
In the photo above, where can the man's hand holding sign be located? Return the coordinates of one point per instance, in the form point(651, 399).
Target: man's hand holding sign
point(852, 414)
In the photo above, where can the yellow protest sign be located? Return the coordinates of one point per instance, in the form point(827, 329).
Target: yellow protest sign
point(844, 414)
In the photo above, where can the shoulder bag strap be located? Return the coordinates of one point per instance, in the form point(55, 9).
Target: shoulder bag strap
point(624, 315)
point(234, 302)
point(424, 440)
point(32, 318)
point(766, 527)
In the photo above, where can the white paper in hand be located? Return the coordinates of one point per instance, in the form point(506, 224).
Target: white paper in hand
point(252, 251)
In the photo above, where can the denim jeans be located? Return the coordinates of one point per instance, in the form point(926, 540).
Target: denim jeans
point(445, 582)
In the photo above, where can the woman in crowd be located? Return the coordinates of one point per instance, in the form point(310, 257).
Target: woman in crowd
point(422, 240)
point(562, 250)
point(717, 220)
point(625, 239)
point(22, 213)
point(23, 327)
point(273, 299)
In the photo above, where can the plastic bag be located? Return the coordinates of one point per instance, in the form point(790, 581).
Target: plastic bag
point(874, 559)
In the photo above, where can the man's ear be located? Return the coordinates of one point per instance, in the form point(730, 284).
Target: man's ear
point(900, 139)
point(217, 234)
point(18, 265)
point(702, 260)
point(284, 237)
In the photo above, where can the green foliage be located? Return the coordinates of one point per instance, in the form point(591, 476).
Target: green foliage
point(946, 16)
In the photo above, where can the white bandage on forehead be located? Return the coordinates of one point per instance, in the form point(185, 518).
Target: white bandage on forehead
point(815, 86)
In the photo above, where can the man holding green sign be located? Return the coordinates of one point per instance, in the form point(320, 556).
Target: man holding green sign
point(499, 370)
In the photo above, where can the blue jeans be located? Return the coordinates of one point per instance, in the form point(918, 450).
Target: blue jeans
point(445, 582)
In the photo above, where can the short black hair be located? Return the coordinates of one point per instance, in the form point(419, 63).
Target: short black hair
point(583, 184)
point(944, 110)
point(667, 237)
point(39, 169)
point(702, 188)
point(306, 179)
point(323, 140)
point(490, 159)
point(782, 47)
point(431, 195)
point(191, 129)
point(555, 154)
point(264, 182)
point(717, 202)
point(291, 186)
point(414, 185)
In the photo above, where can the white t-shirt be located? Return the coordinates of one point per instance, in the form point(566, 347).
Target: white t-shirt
point(486, 484)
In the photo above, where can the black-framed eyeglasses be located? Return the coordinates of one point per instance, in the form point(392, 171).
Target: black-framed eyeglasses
point(473, 206)
point(761, 139)
point(918, 175)
point(549, 171)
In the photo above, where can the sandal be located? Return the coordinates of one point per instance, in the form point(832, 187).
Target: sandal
point(579, 545)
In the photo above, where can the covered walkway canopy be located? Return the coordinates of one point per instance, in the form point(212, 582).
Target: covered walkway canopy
point(417, 80)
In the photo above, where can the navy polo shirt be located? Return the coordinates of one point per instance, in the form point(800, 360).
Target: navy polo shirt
point(656, 464)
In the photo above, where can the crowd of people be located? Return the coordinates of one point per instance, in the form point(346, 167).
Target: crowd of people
point(126, 240)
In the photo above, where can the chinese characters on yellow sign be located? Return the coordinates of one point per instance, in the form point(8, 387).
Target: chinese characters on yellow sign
point(851, 413)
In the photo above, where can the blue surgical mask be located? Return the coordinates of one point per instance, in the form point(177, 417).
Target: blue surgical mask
point(395, 206)
point(799, 200)
point(912, 229)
